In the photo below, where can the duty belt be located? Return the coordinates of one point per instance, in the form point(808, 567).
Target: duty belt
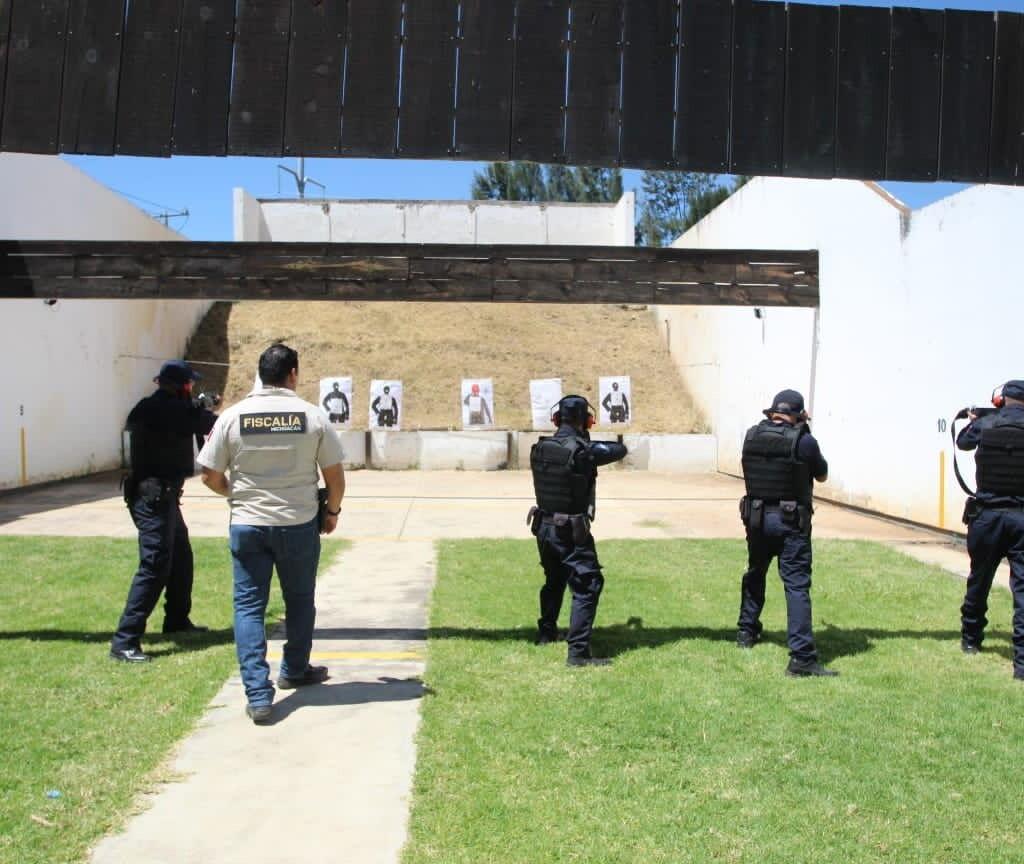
point(577, 522)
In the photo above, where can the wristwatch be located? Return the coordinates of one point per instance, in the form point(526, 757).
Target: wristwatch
point(331, 512)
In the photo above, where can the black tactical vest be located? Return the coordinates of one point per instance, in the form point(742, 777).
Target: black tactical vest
point(771, 469)
point(1000, 457)
point(558, 487)
point(158, 452)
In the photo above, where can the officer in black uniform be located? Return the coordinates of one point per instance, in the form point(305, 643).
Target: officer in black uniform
point(995, 517)
point(162, 427)
point(565, 480)
point(781, 461)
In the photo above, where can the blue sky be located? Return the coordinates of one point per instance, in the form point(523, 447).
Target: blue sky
point(203, 185)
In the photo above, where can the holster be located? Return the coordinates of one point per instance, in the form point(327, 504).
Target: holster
point(580, 529)
point(128, 485)
point(321, 507)
point(752, 512)
point(152, 490)
point(971, 510)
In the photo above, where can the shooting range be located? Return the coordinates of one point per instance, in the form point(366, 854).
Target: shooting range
point(813, 273)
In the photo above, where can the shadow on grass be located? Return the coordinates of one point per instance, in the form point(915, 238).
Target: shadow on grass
point(180, 641)
point(384, 689)
point(833, 642)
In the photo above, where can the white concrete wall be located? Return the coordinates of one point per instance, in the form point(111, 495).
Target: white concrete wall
point(916, 319)
point(335, 221)
point(71, 380)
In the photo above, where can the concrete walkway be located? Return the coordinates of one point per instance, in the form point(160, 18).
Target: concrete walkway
point(329, 781)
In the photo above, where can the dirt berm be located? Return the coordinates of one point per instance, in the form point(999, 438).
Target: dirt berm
point(430, 347)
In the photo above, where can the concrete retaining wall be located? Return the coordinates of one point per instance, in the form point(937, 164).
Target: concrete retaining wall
point(494, 451)
point(76, 367)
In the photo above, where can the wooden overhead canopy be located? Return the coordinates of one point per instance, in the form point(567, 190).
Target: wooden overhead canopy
point(706, 85)
point(318, 271)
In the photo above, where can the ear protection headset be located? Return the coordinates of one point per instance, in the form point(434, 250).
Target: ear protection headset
point(997, 397)
point(556, 413)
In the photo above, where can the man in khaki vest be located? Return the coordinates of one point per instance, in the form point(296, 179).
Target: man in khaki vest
point(263, 456)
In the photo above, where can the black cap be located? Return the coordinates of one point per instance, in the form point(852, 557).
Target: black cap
point(177, 372)
point(574, 409)
point(1014, 389)
point(786, 402)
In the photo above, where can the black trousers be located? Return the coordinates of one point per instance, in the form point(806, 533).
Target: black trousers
point(564, 564)
point(386, 418)
point(993, 535)
point(617, 414)
point(777, 538)
point(165, 564)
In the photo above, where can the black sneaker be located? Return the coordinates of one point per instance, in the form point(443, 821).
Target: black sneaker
point(545, 637)
point(588, 661)
point(185, 627)
point(259, 714)
point(969, 647)
point(808, 669)
point(129, 655)
point(312, 675)
point(746, 639)
point(1018, 674)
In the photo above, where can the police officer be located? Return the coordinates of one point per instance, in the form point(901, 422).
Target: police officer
point(565, 480)
point(162, 428)
point(995, 517)
point(781, 461)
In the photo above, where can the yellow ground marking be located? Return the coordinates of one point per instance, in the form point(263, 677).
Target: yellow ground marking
point(357, 655)
point(24, 458)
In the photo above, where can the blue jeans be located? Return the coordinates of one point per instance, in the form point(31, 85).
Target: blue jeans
point(255, 551)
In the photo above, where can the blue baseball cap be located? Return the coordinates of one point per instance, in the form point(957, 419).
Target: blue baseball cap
point(177, 372)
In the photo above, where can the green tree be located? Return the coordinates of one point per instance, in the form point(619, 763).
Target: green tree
point(600, 185)
point(528, 181)
point(563, 183)
point(674, 201)
point(510, 181)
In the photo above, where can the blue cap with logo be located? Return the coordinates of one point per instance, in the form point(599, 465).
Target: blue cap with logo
point(177, 372)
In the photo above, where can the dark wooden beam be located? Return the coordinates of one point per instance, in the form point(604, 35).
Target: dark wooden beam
point(320, 271)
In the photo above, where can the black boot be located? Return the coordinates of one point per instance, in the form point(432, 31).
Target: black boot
point(808, 669)
point(546, 636)
point(746, 639)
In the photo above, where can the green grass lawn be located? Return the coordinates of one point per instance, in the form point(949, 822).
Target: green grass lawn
point(76, 722)
point(690, 750)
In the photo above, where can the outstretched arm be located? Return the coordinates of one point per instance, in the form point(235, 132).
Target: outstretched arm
point(606, 452)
